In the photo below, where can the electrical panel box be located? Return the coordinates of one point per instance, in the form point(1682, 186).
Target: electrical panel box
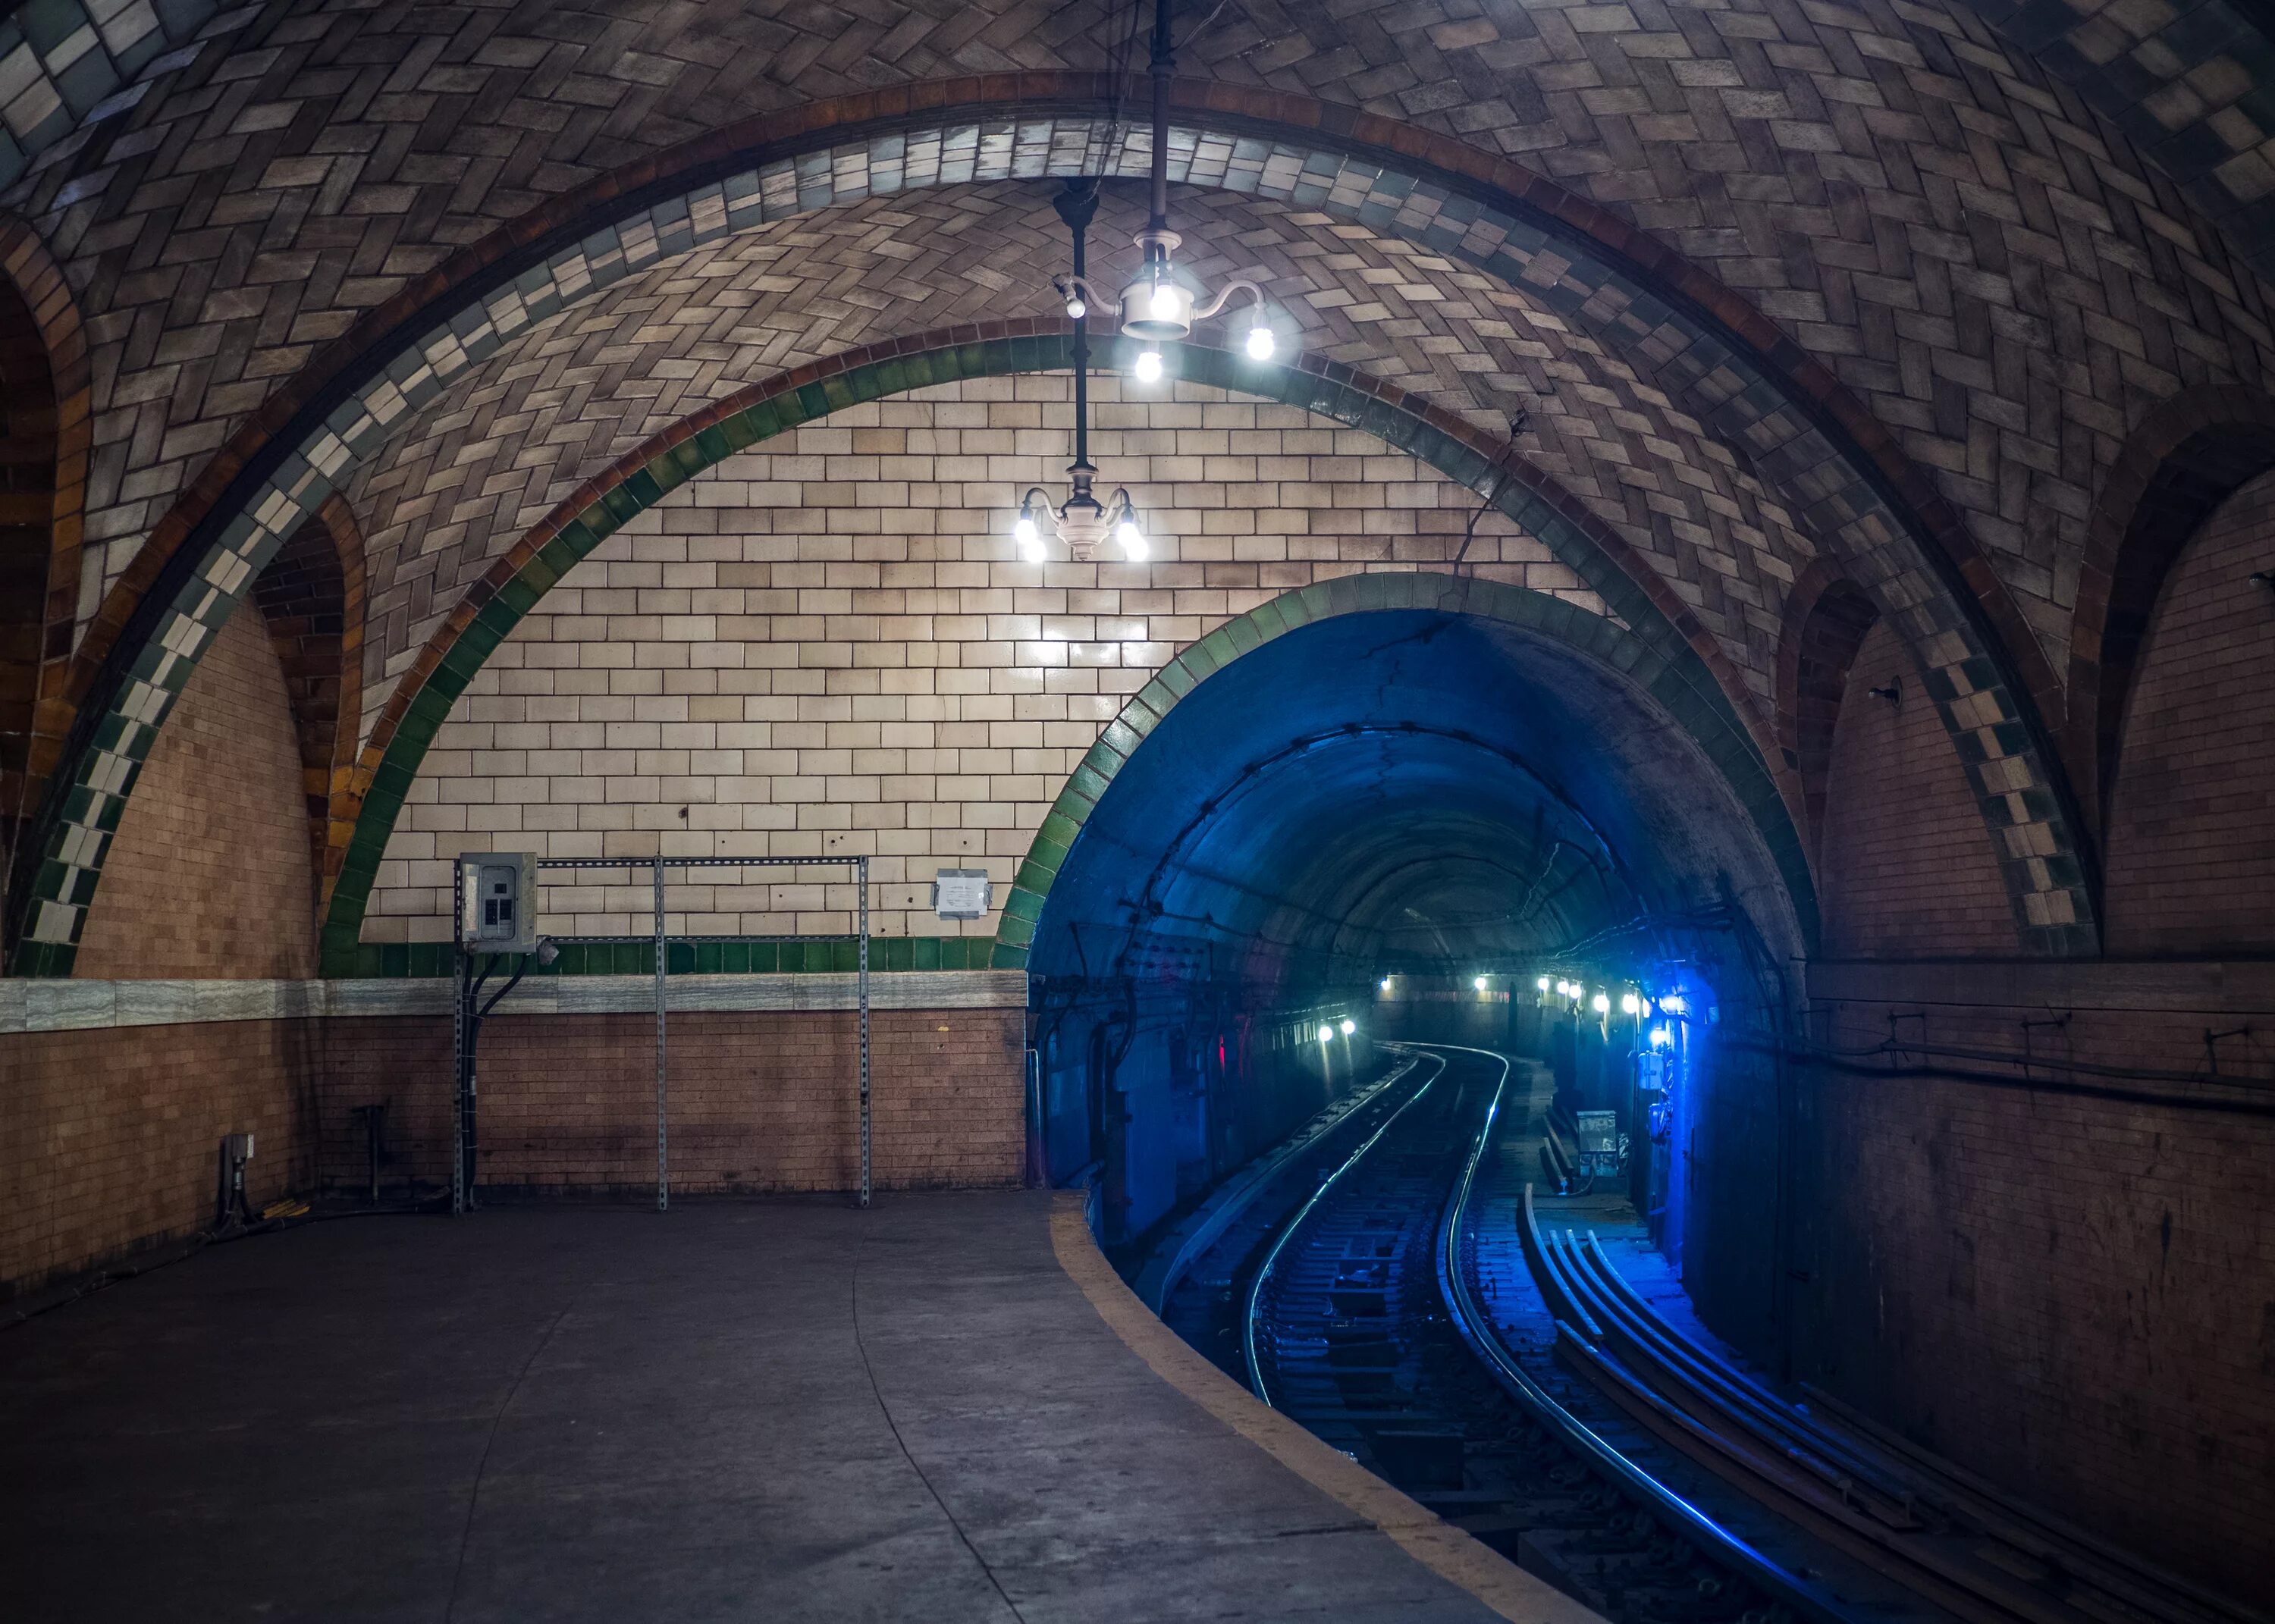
point(1601, 1151)
point(497, 902)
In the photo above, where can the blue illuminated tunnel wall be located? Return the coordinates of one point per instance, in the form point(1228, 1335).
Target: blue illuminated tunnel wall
point(1417, 789)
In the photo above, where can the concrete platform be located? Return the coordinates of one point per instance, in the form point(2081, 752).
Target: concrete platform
point(777, 1411)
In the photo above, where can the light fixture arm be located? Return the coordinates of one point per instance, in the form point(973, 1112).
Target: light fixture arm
point(1224, 297)
point(1077, 206)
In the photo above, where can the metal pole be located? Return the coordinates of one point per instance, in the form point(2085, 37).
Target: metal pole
point(461, 967)
point(662, 1147)
point(862, 875)
point(1163, 63)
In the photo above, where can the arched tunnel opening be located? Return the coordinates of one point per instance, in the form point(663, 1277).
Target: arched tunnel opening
point(1421, 825)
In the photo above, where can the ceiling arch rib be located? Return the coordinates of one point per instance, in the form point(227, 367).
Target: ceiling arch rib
point(1661, 644)
point(1788, 413)
point(1387, 759)
point(518, 432)
point(1889, 134)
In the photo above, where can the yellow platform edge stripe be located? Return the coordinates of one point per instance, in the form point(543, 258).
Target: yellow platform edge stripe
point(1445, 1550)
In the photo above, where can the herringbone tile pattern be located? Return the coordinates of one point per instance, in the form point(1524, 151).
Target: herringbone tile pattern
point(2006, 287)
point(515, 437)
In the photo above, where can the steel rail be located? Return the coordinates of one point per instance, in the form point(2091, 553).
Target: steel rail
point(1252, 1307)
point(1475, 1330)
point(1239, 1192)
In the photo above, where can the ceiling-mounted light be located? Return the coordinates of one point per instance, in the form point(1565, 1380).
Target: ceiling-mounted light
point(1348, 1026)
point(1084, 523)
point(1543, 984)
point(1629, 1004)
point(1602, 1004)
point(1479, 984)
point(1156, 307)
point(1327, 1034)
point(1385, 983)
point(1081, 521)
point(1673, 1003)
point(1660, 1037)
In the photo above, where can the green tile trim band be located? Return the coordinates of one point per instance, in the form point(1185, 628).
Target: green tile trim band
point(1650, 641)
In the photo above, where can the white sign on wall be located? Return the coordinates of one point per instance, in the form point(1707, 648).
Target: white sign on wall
point(960, 894)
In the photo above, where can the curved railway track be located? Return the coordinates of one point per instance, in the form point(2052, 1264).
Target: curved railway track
point(1356, 1320)
point(1368, 1282)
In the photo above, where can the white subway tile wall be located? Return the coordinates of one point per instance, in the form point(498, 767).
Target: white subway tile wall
point(827, 646)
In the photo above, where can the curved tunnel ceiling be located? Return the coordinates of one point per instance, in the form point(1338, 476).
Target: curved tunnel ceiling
point(1399, 790)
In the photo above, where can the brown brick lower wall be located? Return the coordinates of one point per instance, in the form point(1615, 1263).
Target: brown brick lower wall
point(2074, 1297)
point(758, 1101)
point(113, 1134)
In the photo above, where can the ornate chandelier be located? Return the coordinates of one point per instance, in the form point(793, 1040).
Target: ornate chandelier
point(1155, 308)
point(1082, 521)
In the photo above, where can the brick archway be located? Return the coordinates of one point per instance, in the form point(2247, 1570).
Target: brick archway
point(1670, 683)
point(46, 423)
point(1827, 617)
point(2181, 462)
point(311, 596)
point(1665, 649)
point(1751, 385)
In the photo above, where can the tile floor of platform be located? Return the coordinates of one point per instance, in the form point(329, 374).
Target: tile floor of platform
point(784, 1411)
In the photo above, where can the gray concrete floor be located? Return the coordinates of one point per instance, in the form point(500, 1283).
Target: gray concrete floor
point(776, 1411)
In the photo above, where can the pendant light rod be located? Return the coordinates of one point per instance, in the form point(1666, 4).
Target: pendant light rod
point(1162, 63)
point(1077, 206)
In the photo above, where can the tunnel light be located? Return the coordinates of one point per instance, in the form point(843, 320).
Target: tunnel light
point(1563, 989)
point(1660, 1037)
point(1132, 540)
point(1260, 343)
point(1349, 1027)
point(1385, 983)
point(1673, 1003)
point(1479, 984)
point(1148, 366)
point(1327, 1034)
point(1542, 983)
point(1603, 1004)
point(1629, 1004)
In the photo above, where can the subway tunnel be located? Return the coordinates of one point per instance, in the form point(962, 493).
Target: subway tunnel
point(1143, 810)
point(1378, 801)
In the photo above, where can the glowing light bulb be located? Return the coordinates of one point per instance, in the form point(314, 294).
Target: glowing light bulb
point(1543, 984)
point(1479, 984)
point(1260, 343)
point(1165, 301)
point(1629, 1004)
point(1349, 1027)
point(1563, 989)
point(1602, 1004)
point(1327, 1034)
point(1132, 541)
point(1149, 366)
point(1660, 1037)
point(1385, 983)
point(1076, 309)
point(1026, 531)
point(1672, 1003)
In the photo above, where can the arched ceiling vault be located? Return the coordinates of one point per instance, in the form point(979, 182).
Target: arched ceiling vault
point(1407, 787)
point(522, 429)
point(1973, 231)
point(1848, 491)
